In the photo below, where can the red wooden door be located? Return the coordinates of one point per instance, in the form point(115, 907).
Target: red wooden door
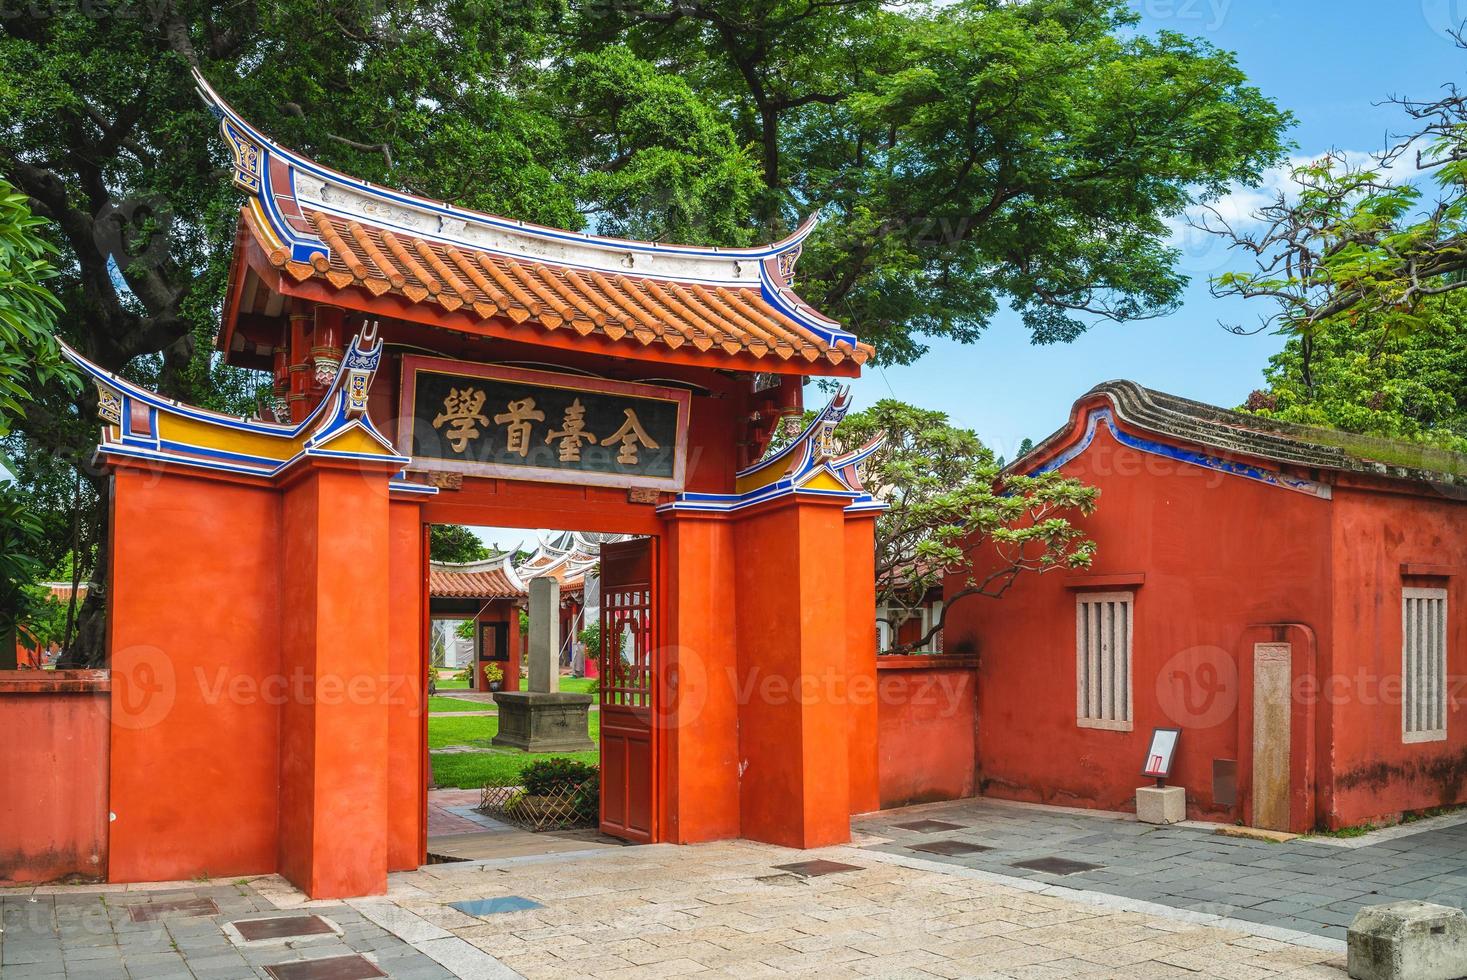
point(628, 639)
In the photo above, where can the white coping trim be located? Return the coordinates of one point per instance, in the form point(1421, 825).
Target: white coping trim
point(1102, 900)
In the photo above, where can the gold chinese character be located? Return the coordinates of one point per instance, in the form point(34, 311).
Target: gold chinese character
point(630, 433)
point(517, 422)
point(461, 411)
point(572, 434)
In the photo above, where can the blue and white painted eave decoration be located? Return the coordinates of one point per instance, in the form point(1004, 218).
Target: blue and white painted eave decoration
point(1248, 471)
point(136, 425)
point(800, 464)
point(309, 184)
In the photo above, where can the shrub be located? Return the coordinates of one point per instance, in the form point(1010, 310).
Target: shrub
point(544, 776)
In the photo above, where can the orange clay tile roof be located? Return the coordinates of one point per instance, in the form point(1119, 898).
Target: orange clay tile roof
point(450, 582)
point(626, 308)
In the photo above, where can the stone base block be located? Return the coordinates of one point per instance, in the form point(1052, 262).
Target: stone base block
point(538, 722)
point(1161, 804)
point(1408, 941)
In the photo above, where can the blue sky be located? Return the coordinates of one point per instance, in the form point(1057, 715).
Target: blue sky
point(1328, 61)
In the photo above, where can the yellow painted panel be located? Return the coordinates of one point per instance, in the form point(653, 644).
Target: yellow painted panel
point(824, 481)
point(207, 435)
point(355, 440)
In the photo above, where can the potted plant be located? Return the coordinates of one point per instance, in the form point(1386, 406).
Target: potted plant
point(495, 675)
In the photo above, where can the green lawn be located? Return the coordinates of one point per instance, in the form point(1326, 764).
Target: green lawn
point(472, 770)
point(454, 684)
point(438, 703)
point(576, 685)
point(478, 731)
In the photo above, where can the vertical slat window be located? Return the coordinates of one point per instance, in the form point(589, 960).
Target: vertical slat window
point(1103, 659)
point(1423, 665)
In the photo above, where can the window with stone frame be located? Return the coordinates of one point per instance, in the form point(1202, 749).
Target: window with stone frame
point(1103, 629)
point(1423, 665)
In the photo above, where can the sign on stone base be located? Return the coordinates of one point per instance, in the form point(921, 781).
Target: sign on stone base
point(1161, 804)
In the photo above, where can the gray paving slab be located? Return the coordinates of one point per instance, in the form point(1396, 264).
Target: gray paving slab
point(1306, 885)
point(91, 936)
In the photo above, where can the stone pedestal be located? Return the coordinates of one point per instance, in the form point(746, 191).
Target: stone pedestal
point(543, 722)
point(1408, 941)
point(1161, 804)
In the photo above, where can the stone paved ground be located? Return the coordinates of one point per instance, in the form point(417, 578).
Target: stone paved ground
point(1312, 885)
point(727, 910)
point(85, 934)
point(1164, 902)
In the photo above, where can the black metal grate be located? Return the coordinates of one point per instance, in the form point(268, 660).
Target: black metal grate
point(1056, 866)
point(282, 927)
point(928, 826)
point(181, 907)
point(814, 869)
point(353, 967)
point(950, 848)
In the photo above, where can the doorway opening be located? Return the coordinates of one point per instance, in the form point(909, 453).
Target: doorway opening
point(540, 646)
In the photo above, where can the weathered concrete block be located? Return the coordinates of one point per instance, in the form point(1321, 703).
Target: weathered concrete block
point(1408, 941)
point(1161, 804)
point(540, 722)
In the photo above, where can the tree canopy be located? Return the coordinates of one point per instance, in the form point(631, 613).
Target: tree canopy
point(1371, 378)
point(964, 155)
point(451, 542)
point(952, 514)
point(1368, 241)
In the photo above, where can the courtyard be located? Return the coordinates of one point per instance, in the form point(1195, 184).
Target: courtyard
point(884, 906)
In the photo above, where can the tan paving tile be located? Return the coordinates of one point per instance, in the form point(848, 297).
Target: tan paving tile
point(703, 911)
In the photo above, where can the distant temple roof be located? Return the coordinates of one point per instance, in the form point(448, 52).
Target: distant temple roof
point(472, 580)
point(356, 242)
point(1241, 434)
point(565, 556)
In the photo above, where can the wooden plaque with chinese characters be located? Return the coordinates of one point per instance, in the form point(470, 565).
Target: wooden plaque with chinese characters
point(520, 424)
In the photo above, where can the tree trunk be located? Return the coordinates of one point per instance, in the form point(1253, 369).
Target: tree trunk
point(88, 649)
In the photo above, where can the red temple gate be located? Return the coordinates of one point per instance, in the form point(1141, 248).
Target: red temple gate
point(269, 600)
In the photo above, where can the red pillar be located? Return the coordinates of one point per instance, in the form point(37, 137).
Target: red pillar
point(512, 665)
point(862, 719)
point(407, 781)
point(793, 672)
point(334, 751)
point(697, 698)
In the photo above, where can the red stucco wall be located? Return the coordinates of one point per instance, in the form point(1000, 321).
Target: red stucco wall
point(1373, 774)
point(53, 775)
point(195, 620)
point(1213, 553)
point(927, 727)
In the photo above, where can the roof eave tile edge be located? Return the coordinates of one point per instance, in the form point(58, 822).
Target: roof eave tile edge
point(1142, 409)
point(134, 419)
point(252, 152)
